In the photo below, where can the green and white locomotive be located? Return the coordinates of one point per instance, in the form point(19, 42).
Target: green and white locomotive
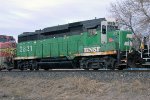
point(91, 44)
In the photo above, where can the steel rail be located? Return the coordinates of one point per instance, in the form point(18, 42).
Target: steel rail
point(74, 70)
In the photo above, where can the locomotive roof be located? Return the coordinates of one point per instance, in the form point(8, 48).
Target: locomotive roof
point(5, 36)
point(55, 28)
point(92, 23)
point(27, 34)
point(86, 24)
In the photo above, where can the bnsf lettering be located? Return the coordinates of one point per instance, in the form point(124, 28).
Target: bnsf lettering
point(92, 49)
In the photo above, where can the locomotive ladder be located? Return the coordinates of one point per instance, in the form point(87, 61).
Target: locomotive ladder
point(123, 60)
point(124, 55)
point(145, 55)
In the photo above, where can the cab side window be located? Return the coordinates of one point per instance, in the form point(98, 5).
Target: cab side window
point(92, 31)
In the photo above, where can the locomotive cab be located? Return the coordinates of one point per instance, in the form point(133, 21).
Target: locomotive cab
point(107, 26)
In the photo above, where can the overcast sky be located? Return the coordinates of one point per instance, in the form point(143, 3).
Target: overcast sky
point(18, 16)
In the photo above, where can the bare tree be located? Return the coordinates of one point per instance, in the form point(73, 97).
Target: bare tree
point(142, 9)
point(133, 15)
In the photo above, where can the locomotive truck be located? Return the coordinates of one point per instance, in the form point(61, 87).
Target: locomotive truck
point(91, 44)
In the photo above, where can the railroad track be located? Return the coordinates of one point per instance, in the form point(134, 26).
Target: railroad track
point(79, 70)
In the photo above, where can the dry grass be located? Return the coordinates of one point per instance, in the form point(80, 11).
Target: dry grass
point(70, 89)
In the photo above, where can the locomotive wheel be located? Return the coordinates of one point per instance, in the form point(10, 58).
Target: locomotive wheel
point(120, 68)
point(31, 69)
point(46, 69)
point(95, 68)
point(9, 69)
point(37, 68)
point(21, 67)
point(86, 68)
point(110, 63)
point(114, 66)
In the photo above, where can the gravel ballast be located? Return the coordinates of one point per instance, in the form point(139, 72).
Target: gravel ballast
point(75, 85)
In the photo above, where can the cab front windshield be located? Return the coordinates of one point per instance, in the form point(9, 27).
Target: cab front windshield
point(3, 39)
point(6, 39)
point(112, 26)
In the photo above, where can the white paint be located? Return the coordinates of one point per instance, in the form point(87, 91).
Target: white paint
point(129, 36)
point(92, 49)
point(129, 43)
point(104, 36)
point(25, 49)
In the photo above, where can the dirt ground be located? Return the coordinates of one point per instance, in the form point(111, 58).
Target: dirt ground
point(72, 89)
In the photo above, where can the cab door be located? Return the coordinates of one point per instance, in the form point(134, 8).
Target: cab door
point(103, 32)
